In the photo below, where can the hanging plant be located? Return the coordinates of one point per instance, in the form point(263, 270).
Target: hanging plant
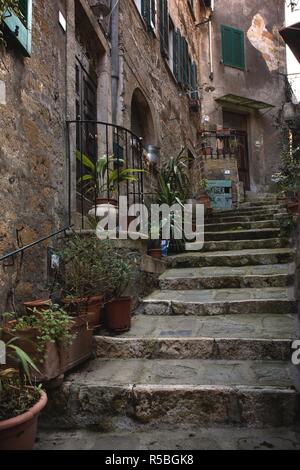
point(7, 6)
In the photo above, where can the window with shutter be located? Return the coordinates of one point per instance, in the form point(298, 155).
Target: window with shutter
point(164, 27)
point(194, 82)
point(21, 26)
point(147, 9)
point(233, 47)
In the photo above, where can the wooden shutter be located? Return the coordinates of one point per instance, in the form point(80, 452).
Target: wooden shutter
point(176, 55)
point(164, 27)
point(21, 27)
point(233, 47)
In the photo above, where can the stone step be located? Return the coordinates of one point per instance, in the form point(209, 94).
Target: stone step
point(246, 218)
point(122, 394)
point(274, 275)
point(191, 438)
point(234, 258)
point(261, 203)
point(248, 211)
point(242, 226)
point(277, 300)
point(250, 234)
point(244, 244)
point(231, 337)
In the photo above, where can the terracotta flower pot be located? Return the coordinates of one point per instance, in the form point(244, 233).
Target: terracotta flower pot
point(155, 253)
point(19, 433)
point(40, 305)
point(92, 307)
point(55, 360)
point(118, 315)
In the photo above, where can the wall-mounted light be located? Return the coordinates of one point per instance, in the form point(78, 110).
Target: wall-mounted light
point(152, 155)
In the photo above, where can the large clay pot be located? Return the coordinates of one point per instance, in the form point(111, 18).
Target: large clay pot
point(118, 315)
point(92, 307)
point(41, 305)
point(155, 253)
point(19, 433)
point(105, 208)
point(56, 360)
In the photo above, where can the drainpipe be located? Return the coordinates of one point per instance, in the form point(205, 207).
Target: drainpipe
point(115, 61)
point(211, 66)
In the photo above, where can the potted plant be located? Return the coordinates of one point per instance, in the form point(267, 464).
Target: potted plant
point(102, 181)
point(287, 179)
point(20, 401)
point(55, 341)
point(119, 273)
point(80, 278)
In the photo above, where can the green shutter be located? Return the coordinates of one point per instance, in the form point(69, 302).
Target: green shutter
point(194, 82)
point(23, 6)
point(146, 12)
point(164, 26)
point(178, 71)
point(233, 47)
point(21, 28)
point(184, 62)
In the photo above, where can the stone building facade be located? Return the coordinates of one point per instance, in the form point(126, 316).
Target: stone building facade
point(243, 67)
point(151, 66)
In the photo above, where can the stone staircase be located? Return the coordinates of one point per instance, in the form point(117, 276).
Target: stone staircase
point(208, 353)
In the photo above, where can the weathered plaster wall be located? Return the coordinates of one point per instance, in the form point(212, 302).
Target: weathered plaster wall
point(37, 95)
point(142, 66)
point(262, 80)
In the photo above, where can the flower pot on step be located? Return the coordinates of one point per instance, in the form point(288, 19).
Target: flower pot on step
point(92, 307)
point(41, 305)
point(19, 433)
point(104, 208)
point(118, 314)
point(155, 253)
point(55, 360)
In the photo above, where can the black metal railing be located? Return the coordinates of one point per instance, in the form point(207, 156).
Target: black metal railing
point(104, 154)
point(22, 249)
point(222, 144)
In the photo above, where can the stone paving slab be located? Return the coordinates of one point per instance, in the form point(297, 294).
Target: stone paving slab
point(276, 275)
point(239, 226)
point(262, 326)
point(215, 219)
point(250, 234)
point(218, 302)
point(234, 258)
point(230, 245)
point(226, 438)
point(256, 210)
point(188, 372)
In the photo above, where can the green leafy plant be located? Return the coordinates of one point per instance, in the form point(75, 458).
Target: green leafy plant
point(17, 395)
point(287, 179)
point(6, 8)
point(102, 177)
point(174, 174)
point(52, 326)
point(118, 270)
point(81, 273)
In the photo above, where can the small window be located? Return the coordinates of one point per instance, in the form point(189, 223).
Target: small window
point(20, 27)
point(233, 47)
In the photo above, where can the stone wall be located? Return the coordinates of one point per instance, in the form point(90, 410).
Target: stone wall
point(37, 96)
